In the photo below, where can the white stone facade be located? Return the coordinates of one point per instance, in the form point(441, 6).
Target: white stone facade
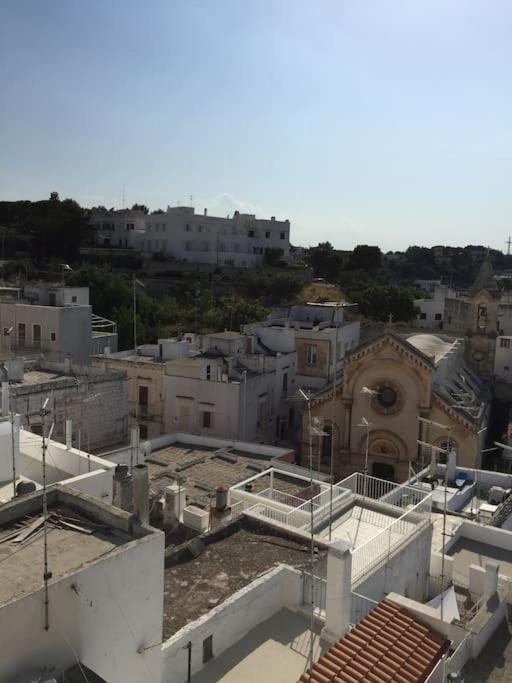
point(200, 238)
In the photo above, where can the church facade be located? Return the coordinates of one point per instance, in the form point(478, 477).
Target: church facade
point(389, 382)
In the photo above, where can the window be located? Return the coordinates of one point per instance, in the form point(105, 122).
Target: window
point(438, 316)
point(199, 228)
point(22, 331)
point(311, 354)
point(187, 228)
point(206, 419)
point(143, 396)
point(505, 367)
point(157, 227)
point(188, 246)
point(207, 649)
point(143, 431)
point(449, 319)
point(505, 343)
point(52, 300)
point(74, 299)
point(53, 336)
point(164, 245)
point(267, 234)
point(423, 316)
point(282, 235)
point(285, 381)
point(251, 233)
point(208, 372)
point(36, 336)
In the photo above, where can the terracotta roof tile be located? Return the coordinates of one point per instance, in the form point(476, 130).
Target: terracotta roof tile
point(387, 646)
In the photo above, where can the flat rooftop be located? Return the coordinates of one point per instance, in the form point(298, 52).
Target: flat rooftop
point(494, 663)
point(75, 538)
point(193, 587)
point(202, 469)
point(276, 650)
point(466, 551)
point(359, 525)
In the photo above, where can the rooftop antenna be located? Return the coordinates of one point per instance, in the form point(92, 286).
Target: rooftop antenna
point(122, 198)
point(47, 575)
point(307, 398)
point(333, 419)
point(508, 243)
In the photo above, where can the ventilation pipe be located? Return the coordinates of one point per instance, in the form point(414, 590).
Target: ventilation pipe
point(122, 488)
point(141, 493)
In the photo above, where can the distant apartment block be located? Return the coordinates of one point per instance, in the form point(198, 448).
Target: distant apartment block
point(320, 337)
point(119, 229)
point(56, 321)
point(431, 310)
point(199, 238)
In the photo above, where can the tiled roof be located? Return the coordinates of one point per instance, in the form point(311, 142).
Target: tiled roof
point(387, 646)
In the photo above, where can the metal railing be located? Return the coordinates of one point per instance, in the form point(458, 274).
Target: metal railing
point(319, 590)
point(399, 495)
point(381, 547)
point(361, 607)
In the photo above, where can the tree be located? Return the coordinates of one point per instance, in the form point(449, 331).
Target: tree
point(140, 207)
point(365, 257)
point(379, 301)
point(325, 261)
point(273, 257)
point(54, 196)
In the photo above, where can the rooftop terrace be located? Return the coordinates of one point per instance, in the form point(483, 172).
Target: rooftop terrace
point(193, 587)
point(80, 531)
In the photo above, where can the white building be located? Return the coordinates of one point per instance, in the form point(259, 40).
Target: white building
point(55, 321)
point(503, 358)
point(319, 334)
point(121, 229)
point(65, 465)
point(236, 388)
point(99, 607)
point(199, 238)
point(431, 310)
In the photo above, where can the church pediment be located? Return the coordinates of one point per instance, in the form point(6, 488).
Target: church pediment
point(388, 347)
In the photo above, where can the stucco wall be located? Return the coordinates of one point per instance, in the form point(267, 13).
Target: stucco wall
point(231, 620)
point(108, 615)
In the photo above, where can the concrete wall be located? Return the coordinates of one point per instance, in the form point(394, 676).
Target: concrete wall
point(405, 572)
point(70, 324)
point(101, 614)
point(88, 474)
point(231, 621)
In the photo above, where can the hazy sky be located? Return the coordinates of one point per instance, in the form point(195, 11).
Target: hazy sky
point(384, 122)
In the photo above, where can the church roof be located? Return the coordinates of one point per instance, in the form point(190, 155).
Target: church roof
point(485, 278)
point(432, 345)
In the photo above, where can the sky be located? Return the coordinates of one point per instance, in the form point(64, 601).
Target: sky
point(363, 122)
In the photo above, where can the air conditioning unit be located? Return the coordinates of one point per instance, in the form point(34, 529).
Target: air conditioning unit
point(497, 495)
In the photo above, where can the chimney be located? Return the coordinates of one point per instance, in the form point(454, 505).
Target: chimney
point(206, 212)
point(122, 488)
point(69, 434)
point(141, 493)
point(490, 579)
point(175, 502)
point(338, 598)
point(5, 399)
point(135, 444)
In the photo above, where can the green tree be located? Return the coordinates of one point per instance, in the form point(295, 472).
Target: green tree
point(365, 257)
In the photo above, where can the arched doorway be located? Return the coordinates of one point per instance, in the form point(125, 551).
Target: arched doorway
point(383, 470)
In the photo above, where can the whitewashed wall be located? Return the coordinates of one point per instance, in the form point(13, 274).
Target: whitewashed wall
point(231, 621)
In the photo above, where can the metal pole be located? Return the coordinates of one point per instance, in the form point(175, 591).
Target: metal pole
point(188, 647)
point(366, 458)
point(136, 368)
point(46, 575)
point(312, 538)
point(333, 418)
point(13, 457)
point(444, 521)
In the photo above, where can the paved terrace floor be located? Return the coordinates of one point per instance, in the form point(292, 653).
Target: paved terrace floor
point(494, 664)
point(359, 525)
point(194, 587)
point(276, 651)
point(466, 552)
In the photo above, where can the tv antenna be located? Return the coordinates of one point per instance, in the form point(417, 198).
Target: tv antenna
point(508, 243)
point(47, 575)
